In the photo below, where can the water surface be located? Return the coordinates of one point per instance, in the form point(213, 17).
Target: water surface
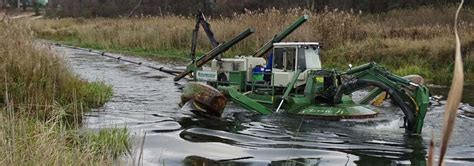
point(146, 100)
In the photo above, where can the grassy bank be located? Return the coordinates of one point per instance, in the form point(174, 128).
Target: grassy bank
point(415, 41)
point(42, 104)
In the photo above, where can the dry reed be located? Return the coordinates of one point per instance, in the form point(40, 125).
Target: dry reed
point(42, 106)
point(454, 98)
point(39, 79)
point(406, 41)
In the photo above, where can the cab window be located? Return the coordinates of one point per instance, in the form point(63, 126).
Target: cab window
point(301, 59)
point(278, 58)
point(284, 58)
point(290, 59)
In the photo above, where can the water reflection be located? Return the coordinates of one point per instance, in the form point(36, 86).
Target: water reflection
point(257, 135)
point(146, 100)
point(196, 160)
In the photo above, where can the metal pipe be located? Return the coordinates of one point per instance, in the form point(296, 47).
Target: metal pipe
point(359, 68)
point(288, 89)
point(215, 52)
point(160, 68)
point(278, 38)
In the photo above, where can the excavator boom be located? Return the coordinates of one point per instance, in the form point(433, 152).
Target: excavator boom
point(411, 97)
point(214, 53)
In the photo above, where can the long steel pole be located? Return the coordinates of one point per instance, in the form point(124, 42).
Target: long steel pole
point(159, 68)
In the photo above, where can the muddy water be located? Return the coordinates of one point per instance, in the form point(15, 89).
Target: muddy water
point(145, 101)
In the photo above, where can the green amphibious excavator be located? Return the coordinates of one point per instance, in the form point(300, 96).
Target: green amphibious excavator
point(292, 80)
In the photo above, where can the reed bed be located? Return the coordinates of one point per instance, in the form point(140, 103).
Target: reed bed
point(406, 41)
point(174, 32)
point(36, 79)
point(42, 104)
point(28, 141)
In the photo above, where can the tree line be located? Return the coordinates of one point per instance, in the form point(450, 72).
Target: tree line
point(114, 8)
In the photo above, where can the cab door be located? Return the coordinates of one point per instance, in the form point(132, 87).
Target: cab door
point(284, 65)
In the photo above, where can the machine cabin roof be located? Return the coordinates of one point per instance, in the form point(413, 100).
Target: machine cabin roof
point(287, 44)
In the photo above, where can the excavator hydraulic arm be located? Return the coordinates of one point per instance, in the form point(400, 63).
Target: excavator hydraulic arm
point(411, 97)
point(201, 20)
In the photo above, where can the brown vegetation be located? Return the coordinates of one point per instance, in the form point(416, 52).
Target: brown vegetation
point(453, 101)
point(406, 41)
point(115, 8)
point(42, 104)
point(38, 81)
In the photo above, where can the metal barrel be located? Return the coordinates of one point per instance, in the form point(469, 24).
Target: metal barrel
point(278, 38)
point(215, 52)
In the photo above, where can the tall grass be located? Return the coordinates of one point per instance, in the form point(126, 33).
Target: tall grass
point(38, 80)
point(42, 103)
point(28, 141)
point(174, 32)
point(454, 98)
point(400, 39)
point(455, 93)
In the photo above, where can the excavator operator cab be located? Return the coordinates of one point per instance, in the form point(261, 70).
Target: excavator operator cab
point(288, 57)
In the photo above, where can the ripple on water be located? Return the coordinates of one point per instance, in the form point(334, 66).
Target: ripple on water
point(145, 99)
point(165, 126)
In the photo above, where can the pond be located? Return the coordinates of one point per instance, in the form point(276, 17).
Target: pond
point(146, 101)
